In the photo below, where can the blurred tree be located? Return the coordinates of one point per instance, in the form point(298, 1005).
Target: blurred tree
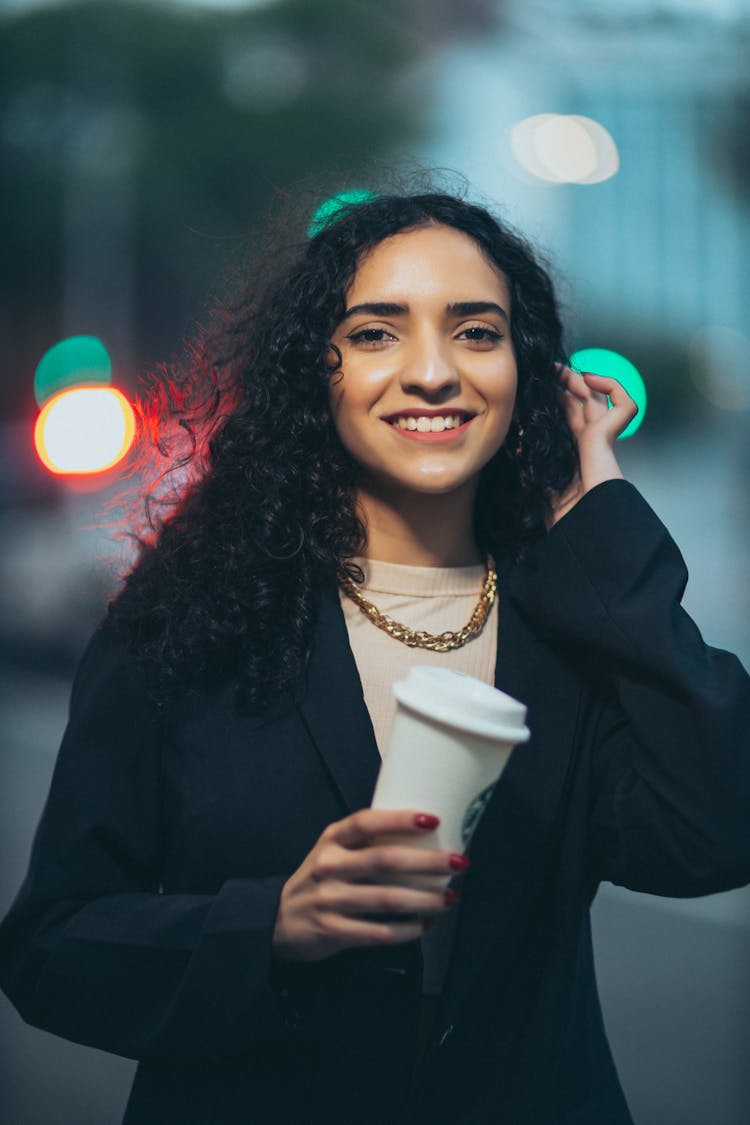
point(138, 142)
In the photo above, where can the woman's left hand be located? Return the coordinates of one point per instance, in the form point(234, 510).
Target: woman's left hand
point(595, 427)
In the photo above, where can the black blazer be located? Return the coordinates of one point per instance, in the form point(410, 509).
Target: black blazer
point(144, 926)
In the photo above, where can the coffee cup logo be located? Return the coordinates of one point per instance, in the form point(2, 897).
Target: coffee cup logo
point(473, 813)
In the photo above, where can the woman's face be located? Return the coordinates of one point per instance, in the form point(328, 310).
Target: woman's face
point(435, 353)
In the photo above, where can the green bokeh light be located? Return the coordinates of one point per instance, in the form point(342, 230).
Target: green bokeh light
point(611, 364)
point(329, 208)
point(72, 362)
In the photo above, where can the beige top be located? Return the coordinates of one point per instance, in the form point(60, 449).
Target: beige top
point(433, 599)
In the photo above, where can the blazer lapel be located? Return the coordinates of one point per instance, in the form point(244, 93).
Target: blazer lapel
point(513, 846)
point(333, 707)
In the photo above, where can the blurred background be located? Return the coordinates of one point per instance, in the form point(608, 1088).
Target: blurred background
point(142, 142)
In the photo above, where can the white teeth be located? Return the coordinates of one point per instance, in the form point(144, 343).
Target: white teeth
point(427, 425)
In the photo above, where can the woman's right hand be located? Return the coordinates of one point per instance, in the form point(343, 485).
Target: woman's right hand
point(345, 877)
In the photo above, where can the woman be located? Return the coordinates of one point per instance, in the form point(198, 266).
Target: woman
point(208, 890)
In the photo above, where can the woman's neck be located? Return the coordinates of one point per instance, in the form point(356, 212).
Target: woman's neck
point(421, 530)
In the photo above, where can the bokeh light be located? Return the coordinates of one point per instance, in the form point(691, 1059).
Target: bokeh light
point(69, 363)
point(84, 430)
point(603, 361)
point(564, 149)
point(329, 208)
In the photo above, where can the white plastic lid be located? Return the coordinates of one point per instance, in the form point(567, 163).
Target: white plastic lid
point(462, 701)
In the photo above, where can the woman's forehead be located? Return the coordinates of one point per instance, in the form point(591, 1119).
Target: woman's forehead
point(429, 259)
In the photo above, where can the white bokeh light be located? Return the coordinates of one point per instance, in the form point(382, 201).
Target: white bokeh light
point(84, 430)
point(564, 149)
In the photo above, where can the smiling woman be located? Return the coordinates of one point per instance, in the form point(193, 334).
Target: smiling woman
point(426, 390)
point(210, 891)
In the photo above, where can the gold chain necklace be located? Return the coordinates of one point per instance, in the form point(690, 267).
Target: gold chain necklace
point(437, 642)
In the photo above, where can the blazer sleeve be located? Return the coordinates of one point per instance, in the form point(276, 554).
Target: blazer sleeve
point(92, 949)
point(668, 722)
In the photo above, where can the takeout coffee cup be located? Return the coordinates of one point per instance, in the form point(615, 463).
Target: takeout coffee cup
point(452, 736)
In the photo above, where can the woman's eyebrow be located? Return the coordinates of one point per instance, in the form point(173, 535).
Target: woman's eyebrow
point(459, 308)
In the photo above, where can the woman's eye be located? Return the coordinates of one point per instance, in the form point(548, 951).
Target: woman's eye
point(376, 336)
point(484, 334)
point(369, 336)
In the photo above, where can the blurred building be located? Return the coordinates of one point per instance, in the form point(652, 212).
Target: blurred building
point(665, 240)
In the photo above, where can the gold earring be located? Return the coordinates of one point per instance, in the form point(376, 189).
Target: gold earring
point(519, 443)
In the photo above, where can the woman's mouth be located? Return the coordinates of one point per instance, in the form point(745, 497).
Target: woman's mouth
point(440, 427)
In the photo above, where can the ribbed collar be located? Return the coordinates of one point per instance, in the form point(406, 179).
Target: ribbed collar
point(420, 581)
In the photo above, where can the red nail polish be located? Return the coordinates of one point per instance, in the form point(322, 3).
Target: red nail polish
point(426, 820)
point(450, 897)
point(459, 862)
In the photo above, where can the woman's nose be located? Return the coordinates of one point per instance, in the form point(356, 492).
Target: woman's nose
point(430, 369)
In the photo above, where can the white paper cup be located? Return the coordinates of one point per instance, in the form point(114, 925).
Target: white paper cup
point(451, 739)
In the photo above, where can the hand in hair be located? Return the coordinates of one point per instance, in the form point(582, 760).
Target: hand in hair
point(595, 427)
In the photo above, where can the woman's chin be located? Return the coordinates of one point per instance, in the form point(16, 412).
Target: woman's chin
point(423, 485)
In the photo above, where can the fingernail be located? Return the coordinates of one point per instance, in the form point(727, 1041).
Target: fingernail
point(459, 862)
point(426, 820)
point(450, 897)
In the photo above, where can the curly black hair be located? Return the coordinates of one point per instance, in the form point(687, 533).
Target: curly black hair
point(224, 584)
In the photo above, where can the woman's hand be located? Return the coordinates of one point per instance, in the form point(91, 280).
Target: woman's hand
point(344, 877)
point(595, 428)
